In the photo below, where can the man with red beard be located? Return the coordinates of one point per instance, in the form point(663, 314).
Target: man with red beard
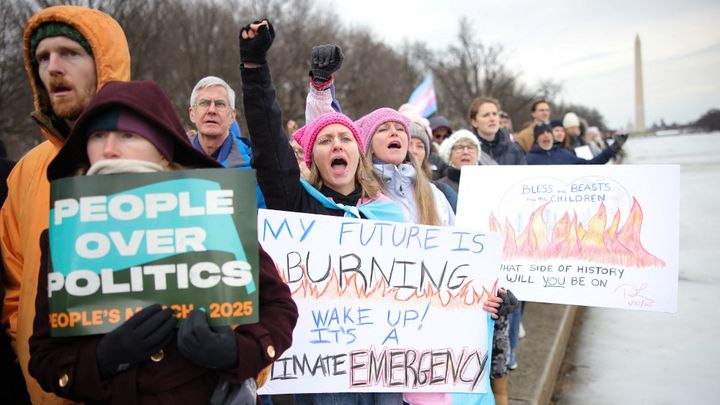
point(69, 52)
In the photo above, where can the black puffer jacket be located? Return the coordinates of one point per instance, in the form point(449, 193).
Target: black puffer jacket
point(502, 149)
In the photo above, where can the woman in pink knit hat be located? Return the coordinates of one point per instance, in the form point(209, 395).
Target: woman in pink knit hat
point(387, 136)
point(337, 168)
point(341, 182)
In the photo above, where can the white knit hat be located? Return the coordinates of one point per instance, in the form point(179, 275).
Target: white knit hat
point(446, 146)
point(571, 120)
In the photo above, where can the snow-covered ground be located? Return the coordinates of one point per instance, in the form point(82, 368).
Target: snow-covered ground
point(631, 357)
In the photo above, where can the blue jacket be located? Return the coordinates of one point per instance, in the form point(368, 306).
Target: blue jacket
point(235, 153)
point(562, 156)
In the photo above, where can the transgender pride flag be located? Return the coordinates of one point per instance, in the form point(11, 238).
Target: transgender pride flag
point(423, 98)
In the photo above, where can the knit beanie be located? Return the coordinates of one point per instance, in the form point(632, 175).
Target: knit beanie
point(556, 123)
point(372, 121)
point(438, 121)
point(571, 120)
point(540, 129)
point(121, 105)
point(306, 135)
point(417, 131)
point(447, 145)
point(412, 114)
point(123, 119)
point(57, 29)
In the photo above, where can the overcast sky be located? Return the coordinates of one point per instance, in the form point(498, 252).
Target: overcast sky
point(587, 46)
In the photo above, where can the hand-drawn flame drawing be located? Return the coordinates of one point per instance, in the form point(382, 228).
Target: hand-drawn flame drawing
point(570, 239)
point(352, 287)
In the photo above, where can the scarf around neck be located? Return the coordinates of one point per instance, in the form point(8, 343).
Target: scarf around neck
point(115, 166)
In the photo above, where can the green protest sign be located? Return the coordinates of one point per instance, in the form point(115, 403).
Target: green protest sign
point(183, 239)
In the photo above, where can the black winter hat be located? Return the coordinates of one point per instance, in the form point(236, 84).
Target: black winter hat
point(556, 123)
point(540, 129)
point(57, 29)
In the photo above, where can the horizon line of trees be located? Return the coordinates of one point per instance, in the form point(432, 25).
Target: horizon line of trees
point(176, 43)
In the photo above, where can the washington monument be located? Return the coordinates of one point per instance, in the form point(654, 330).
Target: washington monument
point(639, 97)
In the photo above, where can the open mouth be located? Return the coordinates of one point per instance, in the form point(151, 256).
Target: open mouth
point(339, 162)
point(60, 89)
point(338, 166)
point(394, 145)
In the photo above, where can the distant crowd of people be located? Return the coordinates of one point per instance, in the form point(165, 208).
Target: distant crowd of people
point(390, 164)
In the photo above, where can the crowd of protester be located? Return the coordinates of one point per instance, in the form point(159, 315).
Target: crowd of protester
point(391, 164)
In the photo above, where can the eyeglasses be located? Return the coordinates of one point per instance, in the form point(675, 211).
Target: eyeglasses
point(462, 147)
point(220, 105)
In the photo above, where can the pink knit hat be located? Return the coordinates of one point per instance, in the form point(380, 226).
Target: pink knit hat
point(371, 122)
point(306, 135)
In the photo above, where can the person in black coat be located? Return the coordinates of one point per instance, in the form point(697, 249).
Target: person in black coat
point(132, 127)
point(494, 141)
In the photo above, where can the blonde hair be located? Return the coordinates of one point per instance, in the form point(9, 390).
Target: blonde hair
point(424, 196)
point(365, 177)
point(425, 167)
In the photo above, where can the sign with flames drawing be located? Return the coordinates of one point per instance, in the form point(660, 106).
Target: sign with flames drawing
point(378, 302)
point(590, 235)
point(602, 236)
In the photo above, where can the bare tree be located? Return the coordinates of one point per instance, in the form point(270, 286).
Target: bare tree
point(374, 76)
point(176, 43)
point(472, 69)
point(299, 26)
point(16, 127)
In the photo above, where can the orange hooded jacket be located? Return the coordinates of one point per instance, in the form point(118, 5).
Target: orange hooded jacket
point(25, 213)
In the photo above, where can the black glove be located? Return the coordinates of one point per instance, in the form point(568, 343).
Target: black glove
point(231, 394)
point(208, 347)
point(254, 50)
point(509, 304)
point(141, 336)
point(325, 60)
point(618, 141)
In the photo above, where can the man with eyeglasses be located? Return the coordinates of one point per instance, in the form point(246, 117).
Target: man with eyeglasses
point(212, 111)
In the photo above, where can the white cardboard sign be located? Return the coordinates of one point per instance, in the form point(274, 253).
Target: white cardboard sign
point(593, 235)
point(384, 307)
